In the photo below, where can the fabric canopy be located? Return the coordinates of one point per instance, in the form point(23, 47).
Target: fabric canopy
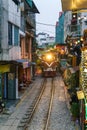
point(70, 5)
point(24, 62)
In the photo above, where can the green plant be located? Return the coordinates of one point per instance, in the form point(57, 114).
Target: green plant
point(75, 109)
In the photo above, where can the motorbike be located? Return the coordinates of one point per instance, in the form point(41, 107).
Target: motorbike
point(2, 106)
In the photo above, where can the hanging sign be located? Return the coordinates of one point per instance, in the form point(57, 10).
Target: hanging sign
point(25, 64)
point(80, 95)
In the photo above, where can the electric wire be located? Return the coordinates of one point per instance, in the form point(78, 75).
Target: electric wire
point(38, 23)
point(45, 24)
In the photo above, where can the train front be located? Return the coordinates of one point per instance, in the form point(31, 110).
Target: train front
point(49, 64)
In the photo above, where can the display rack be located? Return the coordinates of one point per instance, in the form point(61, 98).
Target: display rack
point(83, 87)
point(83, 72)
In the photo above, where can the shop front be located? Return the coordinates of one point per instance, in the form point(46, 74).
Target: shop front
point(24, 73)
point(4, 69)
point(8, 81)
point(83, 87)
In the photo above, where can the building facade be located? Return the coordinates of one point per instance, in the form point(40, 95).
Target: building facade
point(67, 23)
point(60, 29)
point(17, 22)
point(44, 39)
point(9, 48)
point(74, 24)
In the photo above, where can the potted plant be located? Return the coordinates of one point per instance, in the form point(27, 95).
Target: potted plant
point(75, 110)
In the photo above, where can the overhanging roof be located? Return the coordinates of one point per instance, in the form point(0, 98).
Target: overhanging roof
point(29, 2)
point(24, 62)
point(34, 8)
point(31, 6)
point(70, 5)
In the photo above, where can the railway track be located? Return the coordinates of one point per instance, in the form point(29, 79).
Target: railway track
point(50, 106)
point(26, 121)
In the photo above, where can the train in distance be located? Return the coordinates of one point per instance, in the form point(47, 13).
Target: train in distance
point(49, 64)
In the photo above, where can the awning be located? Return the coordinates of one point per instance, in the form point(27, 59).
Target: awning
point(70, 5)
point(29, 2)
point(24, 62)
point(34, 8)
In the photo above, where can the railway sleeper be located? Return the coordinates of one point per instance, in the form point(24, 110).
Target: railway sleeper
point(25, 117)
point(28, 114)
point(28, 111)
point(23, 121)
point(21, 126)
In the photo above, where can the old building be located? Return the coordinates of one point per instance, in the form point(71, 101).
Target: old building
point(17, 22)
point(60, 29)
point(27, 40)
point(44, 40)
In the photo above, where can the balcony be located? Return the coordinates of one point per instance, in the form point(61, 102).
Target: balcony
point(30, 20)
point(75, 28)
point(27, 22)
point(73, 21)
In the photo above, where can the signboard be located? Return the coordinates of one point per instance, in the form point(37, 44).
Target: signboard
point(0, 86)
point(25, 65)
point(4, 68)
point(80, 95)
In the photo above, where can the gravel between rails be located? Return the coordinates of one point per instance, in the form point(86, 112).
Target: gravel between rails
point(60, 116)
point(39, 118)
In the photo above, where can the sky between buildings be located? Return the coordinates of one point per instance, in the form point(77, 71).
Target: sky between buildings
point(49, 14)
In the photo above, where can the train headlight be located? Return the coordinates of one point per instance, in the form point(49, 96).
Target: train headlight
point(49, 57)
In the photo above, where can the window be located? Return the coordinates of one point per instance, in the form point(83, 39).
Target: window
point(74, 19)
point(85, 22)
point(16, 35)
point(27, 44)
point(9, 34)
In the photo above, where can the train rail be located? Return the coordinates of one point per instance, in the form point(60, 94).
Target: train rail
point(29, 115)
point(50, 106)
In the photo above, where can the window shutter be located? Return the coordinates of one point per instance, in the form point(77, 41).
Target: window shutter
point(16, 35)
